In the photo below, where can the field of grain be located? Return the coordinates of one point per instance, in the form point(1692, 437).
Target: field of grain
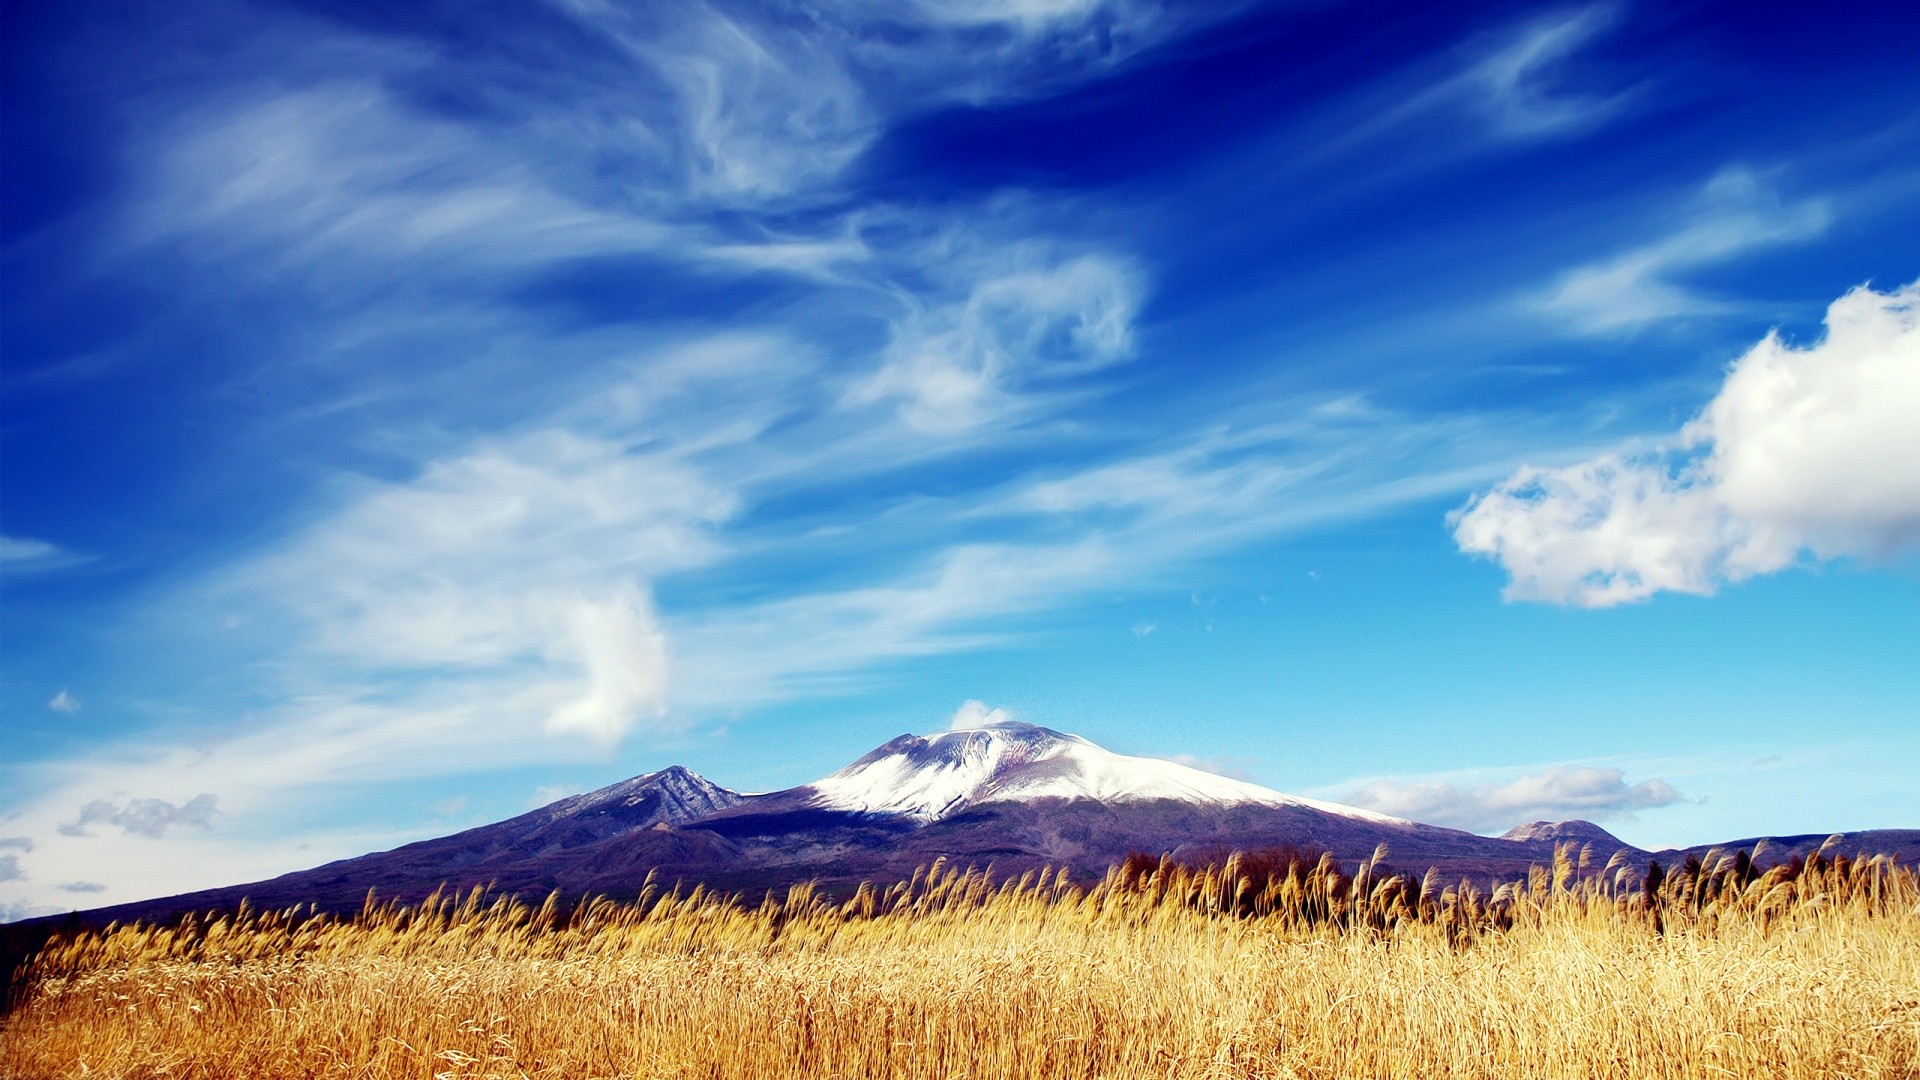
point(1251, 969)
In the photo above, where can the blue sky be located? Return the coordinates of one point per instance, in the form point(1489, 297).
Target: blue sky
point(412, 413)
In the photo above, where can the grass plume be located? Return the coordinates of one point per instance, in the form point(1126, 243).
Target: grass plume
point(1277, 965)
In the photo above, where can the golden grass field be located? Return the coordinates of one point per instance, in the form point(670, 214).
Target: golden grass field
point(1244, 970)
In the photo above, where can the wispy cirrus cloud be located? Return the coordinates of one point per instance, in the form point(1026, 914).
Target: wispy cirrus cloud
point(956, 365)
point(1522, 88)
point(1735, 213)
point(1512, 85)
point(1052, 537)
point(26, 555)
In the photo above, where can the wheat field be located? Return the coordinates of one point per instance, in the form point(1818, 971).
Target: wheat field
point(1281, 968)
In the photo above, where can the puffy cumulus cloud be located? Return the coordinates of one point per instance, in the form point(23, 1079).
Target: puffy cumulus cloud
point(1802, 450)
point(623, 653)
point(145, 817)
point(64, 702)
point(1613, 530)
point(1554, 794)
point(973, 715)
point(953, 367)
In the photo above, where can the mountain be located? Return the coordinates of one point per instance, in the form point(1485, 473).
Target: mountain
point(1563, 832)
point(584, 843)
point(1903, 845)
point(1009, 795)
point(673, 796)
point(931, 777)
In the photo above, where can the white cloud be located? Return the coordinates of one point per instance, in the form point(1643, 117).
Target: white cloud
point(1512, 85)
point(339, 172)
point(1613, 530)
point(10, 868)
point(973, 715)
point(1736, 213)
point(1203, 478)
point(770, 111)
point(18, 843)
point(1516, 84)
point(955, 366)
point(145, 817)
point(1024, 13)
point(1802, 450)
point(980, 51)
point(23, 555)
point(547, 794)
point(765, 120)
point(535, 550)
point(808, 643)
point(1554, 794)
point(624, 652)
point(64, 702)
point(19, 549)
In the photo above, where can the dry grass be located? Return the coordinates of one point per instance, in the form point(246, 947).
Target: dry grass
point(1255, 970)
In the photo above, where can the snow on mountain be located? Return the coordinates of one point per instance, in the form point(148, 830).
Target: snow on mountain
point(673, 795)
point(933, 776)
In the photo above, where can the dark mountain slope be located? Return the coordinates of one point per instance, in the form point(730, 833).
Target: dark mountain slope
point(1013, 797)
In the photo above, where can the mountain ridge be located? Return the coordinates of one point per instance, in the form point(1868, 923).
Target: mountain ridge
point(1009, 795)
point(928, 777)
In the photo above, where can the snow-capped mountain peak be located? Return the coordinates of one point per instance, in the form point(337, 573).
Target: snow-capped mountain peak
point(929, 777)
point(674, 795)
